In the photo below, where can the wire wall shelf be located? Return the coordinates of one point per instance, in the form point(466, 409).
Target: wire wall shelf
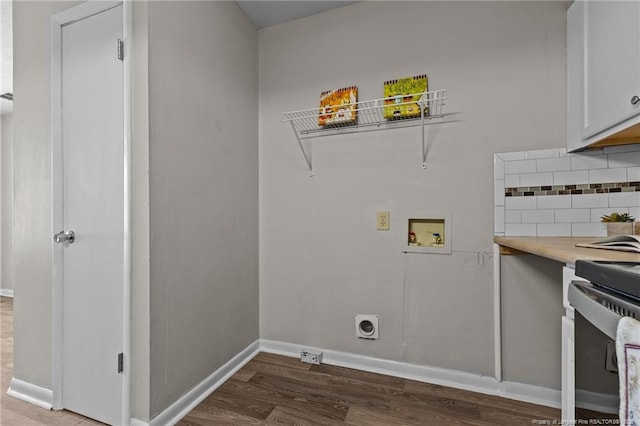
point(418, 109)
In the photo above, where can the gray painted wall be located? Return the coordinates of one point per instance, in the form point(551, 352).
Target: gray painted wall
point(321, 259)
point(531, 320)
point(6, 203)
point(203, 95)
point(32, 180)
point(531, 330)
point(140, 279)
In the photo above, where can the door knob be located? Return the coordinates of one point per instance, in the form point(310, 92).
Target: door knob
point(635, 100)
point(62, 236)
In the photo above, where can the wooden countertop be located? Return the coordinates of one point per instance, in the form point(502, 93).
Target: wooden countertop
point(562, 249)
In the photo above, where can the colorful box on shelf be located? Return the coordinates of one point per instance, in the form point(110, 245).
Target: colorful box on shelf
point(338, 106)
point(401, 97)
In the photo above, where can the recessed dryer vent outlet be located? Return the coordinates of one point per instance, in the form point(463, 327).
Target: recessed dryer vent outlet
point(367, 326)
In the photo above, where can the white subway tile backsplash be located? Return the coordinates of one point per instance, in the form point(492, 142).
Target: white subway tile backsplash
point(513, 216)
point(563, 215)
point(511, 181)
point(586, 162)
point(511, 156)
point(498, 224)
point(554, 230)
point(588, 230)
point(596, 214)
point(538, 216)
point(573, 215)
point(545, 153)
point(621, 148)
point(520, 203)
point(554, 164)
point(624, 159)
point(498, 167)
point(633, 174)
point(624, 199)
point(498, 192)
point(570, 178)
point(521, 230)
point(608, 175)
point(554, 202)
point(589, 200)
point(522, 166)
point(536, 179)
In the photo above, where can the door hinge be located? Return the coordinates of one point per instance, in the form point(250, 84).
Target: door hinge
point(120, 362)
point(121, 50)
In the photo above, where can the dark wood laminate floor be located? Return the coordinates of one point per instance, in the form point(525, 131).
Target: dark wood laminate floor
point(274, 389)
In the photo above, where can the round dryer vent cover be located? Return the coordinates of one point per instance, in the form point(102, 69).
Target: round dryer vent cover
point(367, 326)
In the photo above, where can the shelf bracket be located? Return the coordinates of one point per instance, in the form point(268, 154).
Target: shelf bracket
point(424, 144)
point(307, 155)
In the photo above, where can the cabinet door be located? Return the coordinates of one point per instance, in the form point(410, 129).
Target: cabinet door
point(611, 64)
point(575, 75)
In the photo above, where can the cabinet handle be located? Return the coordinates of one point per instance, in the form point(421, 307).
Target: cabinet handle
point(635, 100)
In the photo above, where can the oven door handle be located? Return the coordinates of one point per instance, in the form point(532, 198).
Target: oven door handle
point(593, 311)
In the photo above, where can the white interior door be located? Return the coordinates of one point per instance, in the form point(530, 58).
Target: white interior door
point(92, 130)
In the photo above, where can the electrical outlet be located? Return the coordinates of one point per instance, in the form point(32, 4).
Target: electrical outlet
point(311, 357)
point(382, 221)
point(611, 360)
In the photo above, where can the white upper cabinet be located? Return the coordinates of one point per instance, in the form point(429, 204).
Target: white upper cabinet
point(603, 73)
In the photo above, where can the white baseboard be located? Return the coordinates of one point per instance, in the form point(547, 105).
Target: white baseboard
point(594, 401)
point(176, 411)
point(5, 292)
point(33, 394)
point(43, 397)
point(530, 393)
point(451, 378)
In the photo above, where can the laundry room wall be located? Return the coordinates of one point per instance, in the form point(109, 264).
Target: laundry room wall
point(321, 258)
point(6, 166)
point(203, 106)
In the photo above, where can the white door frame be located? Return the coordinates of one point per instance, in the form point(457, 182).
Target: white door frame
point(81, 11)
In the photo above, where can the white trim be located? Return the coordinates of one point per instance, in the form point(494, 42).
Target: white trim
point(66, 17)
point(81, 11)
point(6, 292)
point(447, 377)
point(187, 402)
point(33, 394)
point(56, 211)
point(127, 35)
point(530, 393)
point(595, 401)
point(440, 376)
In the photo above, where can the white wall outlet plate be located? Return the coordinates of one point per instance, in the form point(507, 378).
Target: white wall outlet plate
point(382, 221)
point(367, 326)
point(311, 357)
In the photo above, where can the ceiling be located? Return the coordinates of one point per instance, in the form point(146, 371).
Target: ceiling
point(263, 13)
